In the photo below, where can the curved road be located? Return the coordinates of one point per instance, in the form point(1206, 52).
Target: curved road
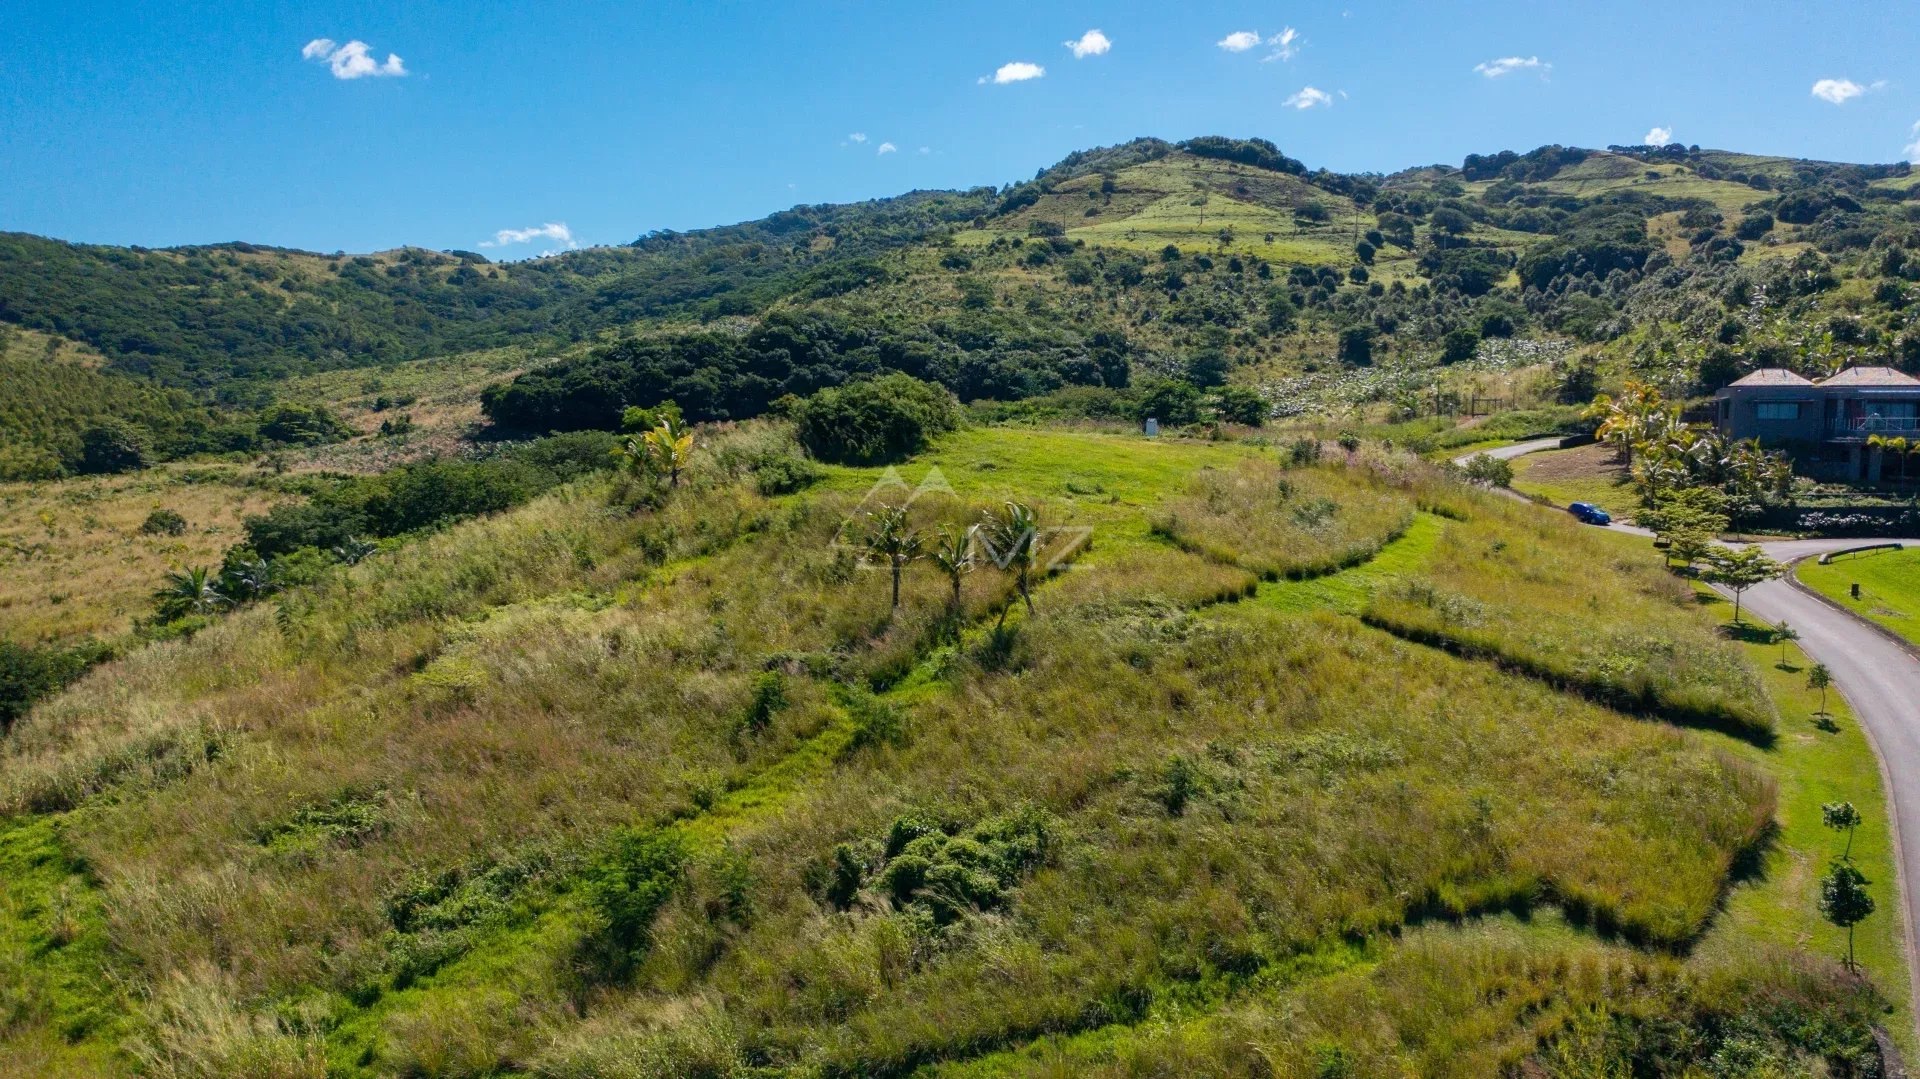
point(1878, 674)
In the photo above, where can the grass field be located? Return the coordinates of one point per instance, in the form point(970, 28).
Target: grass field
point(581, 790)
point(440, 398)
point(1889, 587)
point(74, 561)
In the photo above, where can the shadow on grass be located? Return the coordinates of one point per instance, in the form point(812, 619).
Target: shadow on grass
point(1748, 632)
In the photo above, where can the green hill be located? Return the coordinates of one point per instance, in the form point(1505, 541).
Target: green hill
point(482, 754)
point(631, 784)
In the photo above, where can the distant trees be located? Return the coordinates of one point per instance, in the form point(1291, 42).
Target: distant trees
point(1240, 404)
point(113, 445)
point(1459, 345)
point(190, 591)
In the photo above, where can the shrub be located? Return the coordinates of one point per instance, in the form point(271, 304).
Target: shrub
point(627, 885)
point(164, 522)
point(27, 674)
point(882, 419)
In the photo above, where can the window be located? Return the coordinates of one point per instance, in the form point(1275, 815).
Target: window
point(1892, 410)
point(1777, 410)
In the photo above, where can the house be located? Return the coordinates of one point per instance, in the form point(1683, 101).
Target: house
point(1828, 424)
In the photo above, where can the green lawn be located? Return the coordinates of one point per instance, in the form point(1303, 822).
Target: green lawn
point(1814, 766)
point(1889, 587)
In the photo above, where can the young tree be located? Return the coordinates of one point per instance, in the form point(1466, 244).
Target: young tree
point(953, 553)
point(1820, 678)
point(893, 543)
point(1784, 633)
point(1739, 570)
point(1013, 542)
point(1689, 545)
point(1489, 471)
point(1841, 817)
point(1844, 900)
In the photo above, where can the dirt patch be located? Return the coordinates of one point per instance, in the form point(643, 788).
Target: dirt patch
point(1593, 464)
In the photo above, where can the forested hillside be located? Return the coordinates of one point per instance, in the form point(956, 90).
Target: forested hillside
point(1212, 261)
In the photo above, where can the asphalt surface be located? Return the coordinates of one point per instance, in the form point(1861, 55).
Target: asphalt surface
point(1878, 675)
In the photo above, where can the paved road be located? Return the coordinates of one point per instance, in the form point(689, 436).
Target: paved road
point(1879, 677)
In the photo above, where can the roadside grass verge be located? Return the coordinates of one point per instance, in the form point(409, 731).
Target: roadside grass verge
point(1814, 765)
point(1889, 587)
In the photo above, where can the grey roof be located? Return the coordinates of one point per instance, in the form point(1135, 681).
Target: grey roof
point(1771, 376)
point(1869, 376)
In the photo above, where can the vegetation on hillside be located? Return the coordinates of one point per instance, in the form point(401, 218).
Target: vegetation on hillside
point(643, 779)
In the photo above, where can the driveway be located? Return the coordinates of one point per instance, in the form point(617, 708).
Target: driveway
point(1879, 677)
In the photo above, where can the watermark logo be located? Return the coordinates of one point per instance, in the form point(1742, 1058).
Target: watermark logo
point(1050, 548)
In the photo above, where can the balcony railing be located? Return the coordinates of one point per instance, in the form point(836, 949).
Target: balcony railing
point(1861, 426)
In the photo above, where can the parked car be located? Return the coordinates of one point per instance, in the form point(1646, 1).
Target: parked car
point(1590, 513)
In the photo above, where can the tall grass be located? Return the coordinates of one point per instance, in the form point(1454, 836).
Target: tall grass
point(1560, 602)
point(406, 773)
point(1280, 522)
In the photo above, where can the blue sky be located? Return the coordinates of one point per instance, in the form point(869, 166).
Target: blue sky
point(166, 123)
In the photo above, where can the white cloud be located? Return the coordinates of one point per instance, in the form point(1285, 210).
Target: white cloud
point(1913, 148)
point(1840, 91)
point(352, 60)
point(1507, 65)
point(552, 230)
point(858, 136)
point(1659, 136)
point(1286, 45)
point(1018, 71)
point(1239, 41)
point(926, 149)
point(886, 148)
point(1091, 43)
point(1308, 98)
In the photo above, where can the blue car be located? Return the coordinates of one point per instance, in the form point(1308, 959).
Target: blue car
point(1590, 513)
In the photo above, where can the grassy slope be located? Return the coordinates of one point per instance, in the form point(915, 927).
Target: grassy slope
point(1108, 482)
point(1889, 587)
point(73, 561)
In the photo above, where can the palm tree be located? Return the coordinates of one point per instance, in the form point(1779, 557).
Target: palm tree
point(670, 446)
point(1637, 416)
point(1012, 539)
point(954, 554)
point(893, 543)
point(192, 591)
